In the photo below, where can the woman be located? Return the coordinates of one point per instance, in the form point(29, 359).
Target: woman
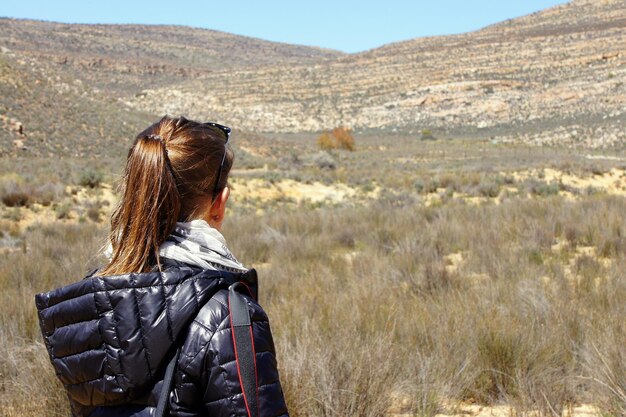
point(163, 298)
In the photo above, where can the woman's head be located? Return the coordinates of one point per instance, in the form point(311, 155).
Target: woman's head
point(176, 170)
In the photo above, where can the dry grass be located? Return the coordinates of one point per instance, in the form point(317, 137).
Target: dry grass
point(48, 257)
point(508, 326)
point(394, 305)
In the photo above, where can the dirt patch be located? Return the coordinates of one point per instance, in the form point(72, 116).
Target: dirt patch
point(612, 182)
point(572, 258)
point(453, 261)
point(79, 203)
point(290, 190)
point(452, 409)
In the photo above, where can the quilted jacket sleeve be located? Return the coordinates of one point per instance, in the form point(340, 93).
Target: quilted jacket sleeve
point(207, 383)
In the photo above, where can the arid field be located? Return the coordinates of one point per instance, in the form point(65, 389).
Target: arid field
point(465, 258)
point(410, 277)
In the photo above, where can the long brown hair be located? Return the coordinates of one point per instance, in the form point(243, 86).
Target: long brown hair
point(170, 174)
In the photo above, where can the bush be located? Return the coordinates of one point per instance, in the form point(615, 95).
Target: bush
point(489, 188)
point(344, 138)
point(426, 186)
point(326, 142)
point(47, 193)
point(91, 178)
point(93, 211)
point(16, 199)
point(324, 160)
point(541, 188)
point(427, 134)
point(16, 192)
point(14, 214)
point(63, 211)
point(338, 138)
point(13, 191)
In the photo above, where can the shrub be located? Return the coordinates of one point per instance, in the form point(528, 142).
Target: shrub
point(14, 192)
point(324, 160)
point(489, 188)
point(63, 211)
point(47, 193)
point(338, 138)
point(344, 138)
point(14, 214)
point(426, 186)
point(326, 142)
point(93, 211)
point(427, 134)
point(598, 170)
point(16, 199)
point(543, 189)
point(91, 178)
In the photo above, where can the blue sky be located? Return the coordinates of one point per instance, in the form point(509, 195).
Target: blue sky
point(349, 26)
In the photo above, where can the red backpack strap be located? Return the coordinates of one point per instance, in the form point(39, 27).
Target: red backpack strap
point(243, 341)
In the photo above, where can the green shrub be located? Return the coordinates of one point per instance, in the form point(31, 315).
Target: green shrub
point(543, 189)
point(91, 178)
point(427, 134)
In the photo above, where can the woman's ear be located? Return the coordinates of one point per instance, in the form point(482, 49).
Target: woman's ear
point(218, 209)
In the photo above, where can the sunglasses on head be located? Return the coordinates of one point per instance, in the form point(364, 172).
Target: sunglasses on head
point(225, 131)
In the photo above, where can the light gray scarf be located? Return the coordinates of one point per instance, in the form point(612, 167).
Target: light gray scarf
point(197, 243)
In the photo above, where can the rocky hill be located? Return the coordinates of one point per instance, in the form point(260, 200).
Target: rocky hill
point(556, 76)
point(64, 87)
point(553, 77)
point(45, 112)
point(126, 58)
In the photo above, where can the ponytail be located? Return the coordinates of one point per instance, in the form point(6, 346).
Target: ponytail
point(148, 208)
point(171, 174)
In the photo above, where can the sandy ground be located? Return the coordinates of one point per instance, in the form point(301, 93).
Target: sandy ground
point(261, 193)
point(316, 192)
point(612, 182)
point(78, 199)
point(472, 410)
point(401, 408)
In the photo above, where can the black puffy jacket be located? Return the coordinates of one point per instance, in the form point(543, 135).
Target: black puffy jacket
point(110, 339)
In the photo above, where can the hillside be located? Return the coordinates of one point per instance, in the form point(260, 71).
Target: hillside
point(45, 112)
point(555, 77)
point(559, 68)
point(126, 58)
point(64, 87)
